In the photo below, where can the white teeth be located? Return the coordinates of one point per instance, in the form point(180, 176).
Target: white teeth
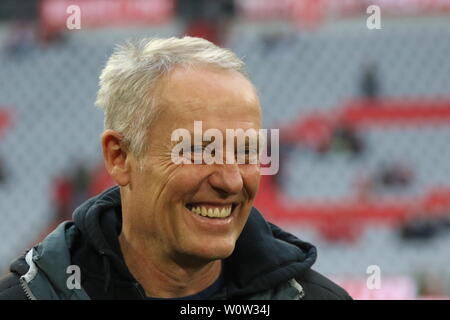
point(212, 212)
point(223, 213)
point(196, 210)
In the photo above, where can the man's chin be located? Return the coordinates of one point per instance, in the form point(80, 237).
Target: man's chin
point(212, 253)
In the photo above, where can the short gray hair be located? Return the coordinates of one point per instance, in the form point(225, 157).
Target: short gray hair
point(126, 82)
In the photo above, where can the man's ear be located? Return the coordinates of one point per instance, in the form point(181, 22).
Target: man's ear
point(116, 158)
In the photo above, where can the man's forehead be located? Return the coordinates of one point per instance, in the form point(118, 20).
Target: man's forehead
point(198, 88)
point(211, 118)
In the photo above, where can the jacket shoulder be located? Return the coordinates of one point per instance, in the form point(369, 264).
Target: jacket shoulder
point(10, 288)
point(318, 287)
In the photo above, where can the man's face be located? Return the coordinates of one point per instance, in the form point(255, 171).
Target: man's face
point(165, 200)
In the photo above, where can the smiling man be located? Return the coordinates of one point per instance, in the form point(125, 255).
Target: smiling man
point(184, 230)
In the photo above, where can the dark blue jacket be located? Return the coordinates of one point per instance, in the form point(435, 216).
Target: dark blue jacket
point(267, 263)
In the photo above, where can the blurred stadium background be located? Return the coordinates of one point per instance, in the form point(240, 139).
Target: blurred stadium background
point(364, 117)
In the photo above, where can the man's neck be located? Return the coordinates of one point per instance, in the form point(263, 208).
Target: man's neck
point(162, 277)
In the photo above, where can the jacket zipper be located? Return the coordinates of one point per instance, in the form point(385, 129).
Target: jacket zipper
point(298, 287)
point(26, 289)
point(27, 277)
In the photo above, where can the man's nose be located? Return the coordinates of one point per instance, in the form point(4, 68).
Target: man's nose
point(227, 179)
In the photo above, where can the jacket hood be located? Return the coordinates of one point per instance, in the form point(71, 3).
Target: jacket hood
point(265, 256)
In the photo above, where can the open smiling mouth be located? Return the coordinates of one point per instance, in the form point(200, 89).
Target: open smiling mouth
point(211, 211)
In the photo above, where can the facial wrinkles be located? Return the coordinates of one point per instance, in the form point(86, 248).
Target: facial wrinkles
point(202, 190)
point(247, 182)
point(158, 191)
point(198, 107)
point(163, 167)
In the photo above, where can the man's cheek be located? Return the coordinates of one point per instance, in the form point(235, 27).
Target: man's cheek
point(251, 176)
point(251, 170)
